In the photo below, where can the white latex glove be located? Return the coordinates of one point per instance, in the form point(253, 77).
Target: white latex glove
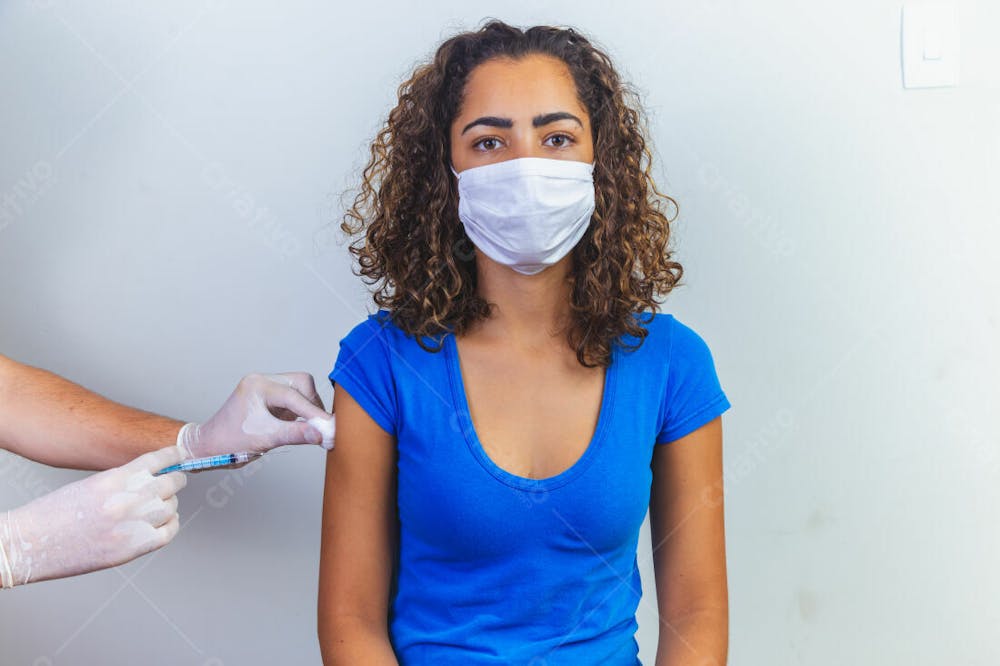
point(104, 520)
point(264, 412)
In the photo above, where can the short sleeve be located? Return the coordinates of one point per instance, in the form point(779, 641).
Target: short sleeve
point(693, 393)
point(363, 369)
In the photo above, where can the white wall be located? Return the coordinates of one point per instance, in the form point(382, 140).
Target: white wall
point(838, 233)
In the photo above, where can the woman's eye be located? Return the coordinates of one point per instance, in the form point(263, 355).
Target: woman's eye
point(566, 139)
point(488, 139)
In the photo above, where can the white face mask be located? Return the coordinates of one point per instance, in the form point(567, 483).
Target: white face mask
point(526, 213)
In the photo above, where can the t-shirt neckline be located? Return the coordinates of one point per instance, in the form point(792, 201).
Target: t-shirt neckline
point(461, 406)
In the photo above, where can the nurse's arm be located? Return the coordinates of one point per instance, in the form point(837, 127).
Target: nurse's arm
point(358, 540)
point(52, 420)
point(689, 551)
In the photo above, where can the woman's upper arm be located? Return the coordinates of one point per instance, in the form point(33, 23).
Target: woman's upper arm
point(687, 523)
point(358, 544)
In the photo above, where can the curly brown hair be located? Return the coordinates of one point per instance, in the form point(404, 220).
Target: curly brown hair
point(415, 246)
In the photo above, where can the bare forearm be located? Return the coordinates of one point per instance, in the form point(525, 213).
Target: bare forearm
point(348, 642)
point(52, 420)
point(699, 638)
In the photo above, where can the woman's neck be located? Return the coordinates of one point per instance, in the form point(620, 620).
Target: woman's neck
point(532, 311)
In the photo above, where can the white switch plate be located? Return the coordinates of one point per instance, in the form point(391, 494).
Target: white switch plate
point(930, 45)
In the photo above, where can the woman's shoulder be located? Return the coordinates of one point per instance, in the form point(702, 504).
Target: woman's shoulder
point(667, 333)
point(653, 320)
point(382, 325)
point(373, 323)
point(657, 326)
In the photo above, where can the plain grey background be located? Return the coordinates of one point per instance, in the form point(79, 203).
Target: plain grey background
point(170, 179)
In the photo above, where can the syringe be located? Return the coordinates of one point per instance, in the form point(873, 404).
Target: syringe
point(211, 462)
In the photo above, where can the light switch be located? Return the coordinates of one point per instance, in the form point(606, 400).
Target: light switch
point(930, 45)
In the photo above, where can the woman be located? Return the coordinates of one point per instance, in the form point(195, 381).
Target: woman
point(504, 419)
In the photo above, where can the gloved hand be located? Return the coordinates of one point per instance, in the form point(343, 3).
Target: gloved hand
point(264, 412)
point(101, 521)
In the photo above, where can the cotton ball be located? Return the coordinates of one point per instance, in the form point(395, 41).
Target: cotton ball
point(326, 426)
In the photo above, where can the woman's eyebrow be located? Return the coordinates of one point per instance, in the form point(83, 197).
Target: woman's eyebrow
point(537, 121)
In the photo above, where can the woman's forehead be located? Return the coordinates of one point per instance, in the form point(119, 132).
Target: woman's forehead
point(520, 89)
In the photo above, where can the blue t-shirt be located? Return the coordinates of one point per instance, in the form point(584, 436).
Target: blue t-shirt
point(495, 568)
